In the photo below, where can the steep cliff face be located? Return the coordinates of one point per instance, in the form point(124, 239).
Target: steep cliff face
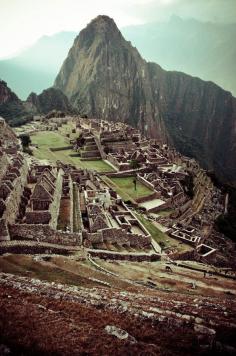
point(11, 107)
point(199, 118)
point(50, 99)
point(105, 77)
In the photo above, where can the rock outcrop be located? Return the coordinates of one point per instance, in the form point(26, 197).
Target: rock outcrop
point(17, 112)
point(11, 107)
point(50, 99)
point(105, 77)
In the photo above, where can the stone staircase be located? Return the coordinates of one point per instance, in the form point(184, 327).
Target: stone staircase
point(90, 150)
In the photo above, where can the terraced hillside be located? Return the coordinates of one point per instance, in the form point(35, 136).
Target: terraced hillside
point(112, 314)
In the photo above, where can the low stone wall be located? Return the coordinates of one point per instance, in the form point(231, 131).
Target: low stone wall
point(154, 195)
point(166, 205)
point(4, 161)
point(76, 154)
point(145, 182)
point(129, 173)
point(185, 256)
point(43, 233)
point(38, 217)
point(55, 205)
point(108, 255)
point(121, 174)
point(91, 159)
point(118, 236)
point(4, 233)
point(71, 203)
point(55, 149)
point(14, 198)
point(23, 247)
point(90, 154)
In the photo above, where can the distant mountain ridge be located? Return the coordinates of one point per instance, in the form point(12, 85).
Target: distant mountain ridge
point(36, 67)
point(105, 77)
point(201, 49)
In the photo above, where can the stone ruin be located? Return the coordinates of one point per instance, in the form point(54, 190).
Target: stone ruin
point(66, 205)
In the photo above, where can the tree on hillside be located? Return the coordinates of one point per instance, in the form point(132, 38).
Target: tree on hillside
point(25, 140)
point(80, 141)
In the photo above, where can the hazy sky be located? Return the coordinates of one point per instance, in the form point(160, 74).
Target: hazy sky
point(24, 21)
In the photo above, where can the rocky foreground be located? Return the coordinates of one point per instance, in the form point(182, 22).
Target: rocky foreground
point(44, 318)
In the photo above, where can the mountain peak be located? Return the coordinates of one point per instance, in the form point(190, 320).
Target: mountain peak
point(103, 22)
point(102, 26)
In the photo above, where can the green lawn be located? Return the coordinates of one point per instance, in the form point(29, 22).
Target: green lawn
point(99, 166)
point(44, 140)
point(47, 139)
point(126, 188)
point(67, 128)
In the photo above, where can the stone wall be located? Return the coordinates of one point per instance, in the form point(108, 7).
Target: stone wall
point(145, 182)
point(55, 205)
point(118, 236)
point(185, 256)
point(71, 203)
point(4, 162)
point(38, 217)
point(4, 233)
point(13, 200)
point(129, 173)
point(166, 205)
point(117, 146)
point(90, 154)
point(23, 247)
point(154, 195)
point(111, 255)
point(55, 149)
point(43, 233)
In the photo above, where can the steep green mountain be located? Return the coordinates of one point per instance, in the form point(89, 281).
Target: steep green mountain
point(105, 77)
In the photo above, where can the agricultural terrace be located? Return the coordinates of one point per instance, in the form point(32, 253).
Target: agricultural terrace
point(45, 140)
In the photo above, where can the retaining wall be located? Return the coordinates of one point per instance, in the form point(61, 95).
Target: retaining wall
point(44, 233)
point(118, 236)
point(55, 149)
point(152, 196)
point(107, 255)
point(22, 247)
